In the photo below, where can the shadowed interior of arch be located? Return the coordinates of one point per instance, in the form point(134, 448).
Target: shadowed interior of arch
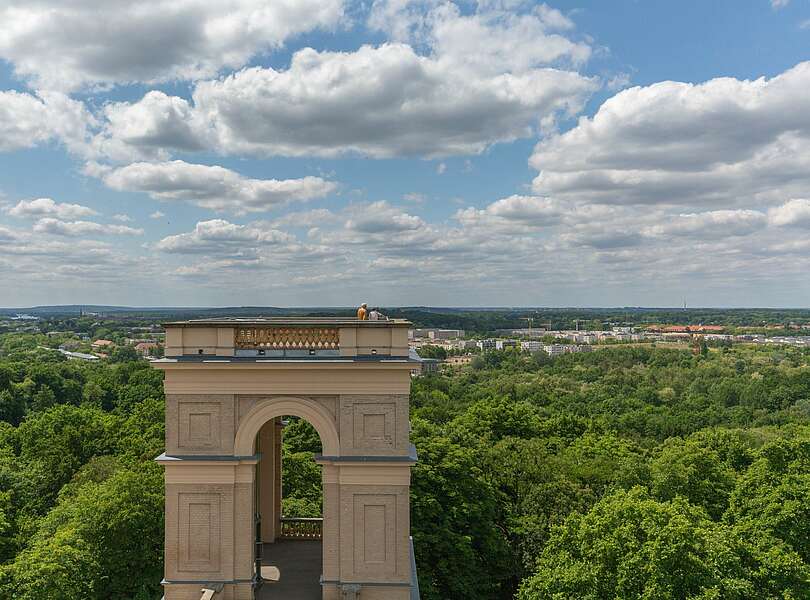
point(289, 497)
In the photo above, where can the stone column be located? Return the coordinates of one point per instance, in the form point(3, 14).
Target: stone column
point(269, 475)
point(331, 528)
point(369, 489)
point(209, 507)
point(277, 471)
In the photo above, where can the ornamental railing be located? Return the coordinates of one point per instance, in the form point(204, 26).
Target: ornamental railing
point(287, 338)
point(300, 528)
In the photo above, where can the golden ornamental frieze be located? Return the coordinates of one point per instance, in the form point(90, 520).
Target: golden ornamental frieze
point(287, 338)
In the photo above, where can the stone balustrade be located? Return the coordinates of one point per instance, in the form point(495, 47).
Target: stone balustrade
point(300, 528)
point(287, 338)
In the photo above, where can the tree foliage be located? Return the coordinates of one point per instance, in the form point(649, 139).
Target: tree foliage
point(629, 472)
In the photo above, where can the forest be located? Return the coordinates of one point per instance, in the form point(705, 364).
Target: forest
point(628, 472)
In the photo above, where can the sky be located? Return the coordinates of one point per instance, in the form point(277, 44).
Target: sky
point(405, 152)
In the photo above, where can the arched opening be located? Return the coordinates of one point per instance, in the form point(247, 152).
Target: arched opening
point(289, 492)
point(290, 501)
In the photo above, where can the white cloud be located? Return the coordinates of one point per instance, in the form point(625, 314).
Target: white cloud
point(218, 236)
point(65, 45)
point(149, 128)
point(78, 265)
point(513, 214)
point(717, 224)
point(157, 215)
point(414, 197)
point(7, 235)
point(328, 103)
point(725, 141)
point(81, 228)
point(390, 100)
point(122, 218)
point(42, 207)
point(793, 212)
point(777, 4)
point(381, 218)
point(317, 217)
point(27, 120)
point(494, 38)
point(213, 187)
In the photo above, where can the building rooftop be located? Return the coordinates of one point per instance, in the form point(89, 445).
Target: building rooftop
point(285, 338)
point(288, 322)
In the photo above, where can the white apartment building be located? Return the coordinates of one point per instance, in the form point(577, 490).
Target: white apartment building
point(435, 334)
point(485, 344)
point(445, 334)
point(558, 349)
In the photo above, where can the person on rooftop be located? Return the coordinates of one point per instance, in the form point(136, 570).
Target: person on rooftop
point(375, 315)
point(362, 312)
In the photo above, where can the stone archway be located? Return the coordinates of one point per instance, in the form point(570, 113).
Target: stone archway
point(225, 381)
point(302, 548)
point(270, 408)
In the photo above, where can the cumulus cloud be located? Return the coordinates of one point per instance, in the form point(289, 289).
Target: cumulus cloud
point(212, 187)
point(46, 207)
point(27, 120)
point(717, 224)
point(317, 217)
point(219, 236)
point(725, 141)
point(381, 218)
point(150, 128)
point(496, 38)
point(81, 228)
point(77, 264)
point(480, 79)
point(7, 235)
point(513, 213)
point(67, 45)
point(793, 212)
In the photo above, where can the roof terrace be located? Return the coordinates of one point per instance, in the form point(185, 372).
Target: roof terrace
point(296, 338)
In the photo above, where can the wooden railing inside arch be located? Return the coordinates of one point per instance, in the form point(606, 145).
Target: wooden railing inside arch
point(287, 338)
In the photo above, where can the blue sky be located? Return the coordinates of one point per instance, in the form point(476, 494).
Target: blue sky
point(498, 152)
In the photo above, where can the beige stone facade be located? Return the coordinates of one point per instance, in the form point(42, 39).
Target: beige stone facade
point(228, 383)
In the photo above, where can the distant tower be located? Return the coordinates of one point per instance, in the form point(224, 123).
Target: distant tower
point(684, 303)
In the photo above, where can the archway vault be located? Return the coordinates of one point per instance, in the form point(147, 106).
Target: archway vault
point(270, 408)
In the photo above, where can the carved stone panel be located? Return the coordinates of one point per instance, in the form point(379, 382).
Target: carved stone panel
point(374, 425)
point(200, 527)
point(374, 529)
point(199, 531)
point(199, 424)
point(374, 545)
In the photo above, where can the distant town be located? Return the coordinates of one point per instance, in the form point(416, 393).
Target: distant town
point(460, 349)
